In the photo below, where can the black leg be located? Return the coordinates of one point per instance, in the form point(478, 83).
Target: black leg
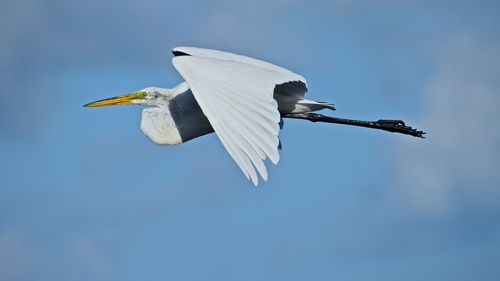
point(395, 126)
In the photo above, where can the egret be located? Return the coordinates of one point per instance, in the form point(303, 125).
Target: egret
point(241, 99)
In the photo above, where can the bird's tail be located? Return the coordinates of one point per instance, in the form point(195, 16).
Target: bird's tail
point(310, 105)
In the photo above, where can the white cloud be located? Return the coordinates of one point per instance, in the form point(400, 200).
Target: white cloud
point(458, 163)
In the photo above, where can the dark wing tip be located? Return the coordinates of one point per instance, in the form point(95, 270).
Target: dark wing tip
point(179, 53)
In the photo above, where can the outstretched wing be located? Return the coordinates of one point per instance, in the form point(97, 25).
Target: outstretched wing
point(236, 95)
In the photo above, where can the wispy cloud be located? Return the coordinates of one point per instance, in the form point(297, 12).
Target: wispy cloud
point(458, 163)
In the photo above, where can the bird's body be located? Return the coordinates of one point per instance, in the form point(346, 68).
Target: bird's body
point(179, 118)
point(240, 98)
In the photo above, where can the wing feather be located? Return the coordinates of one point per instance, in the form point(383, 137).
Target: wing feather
point(236, 95)
point(221, 55)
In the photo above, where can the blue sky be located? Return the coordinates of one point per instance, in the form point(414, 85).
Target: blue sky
point(86, 196)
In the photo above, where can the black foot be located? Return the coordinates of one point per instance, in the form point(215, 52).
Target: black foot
point(398, 126)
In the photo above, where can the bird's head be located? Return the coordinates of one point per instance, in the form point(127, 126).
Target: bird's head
point(150, 96)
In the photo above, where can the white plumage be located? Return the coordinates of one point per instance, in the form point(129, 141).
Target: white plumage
point(238, 97)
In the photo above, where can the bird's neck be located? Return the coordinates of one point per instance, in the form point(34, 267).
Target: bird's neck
point(164, 96)
point(179, 89)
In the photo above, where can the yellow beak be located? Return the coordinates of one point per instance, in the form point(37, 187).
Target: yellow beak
point(124, 99)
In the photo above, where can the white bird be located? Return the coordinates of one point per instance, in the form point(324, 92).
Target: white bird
point(240, 98)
